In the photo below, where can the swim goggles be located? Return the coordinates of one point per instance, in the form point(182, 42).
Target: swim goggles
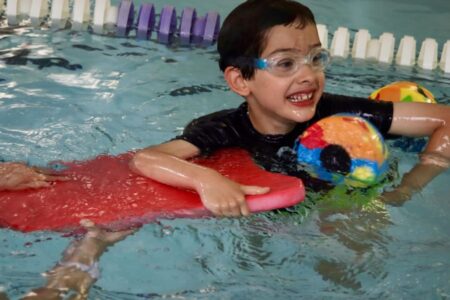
point(286, 63)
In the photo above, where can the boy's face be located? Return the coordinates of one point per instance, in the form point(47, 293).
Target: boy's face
point(277, 103)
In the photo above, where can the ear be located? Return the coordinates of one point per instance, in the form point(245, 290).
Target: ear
point(236, 82)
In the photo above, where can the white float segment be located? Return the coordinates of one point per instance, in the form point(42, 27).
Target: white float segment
point(340, 44)
point(60, 10)
point(428, 54)
point(39, 9)
point(406, 52)
point(13, 11)
point(81, 11)
point(112, 14)
point(373, 49)
point(25, 7)
point(360, 44)
point(323, 35)
point(444, 63)
point(13, 7)
point(100, 12)
point(387, 44)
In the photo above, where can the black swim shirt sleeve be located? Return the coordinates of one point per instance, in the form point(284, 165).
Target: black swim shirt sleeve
point(211, 132)
point(379, 113)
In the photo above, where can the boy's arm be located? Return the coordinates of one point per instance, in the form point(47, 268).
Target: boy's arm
point(421, 119)
point(167, 163)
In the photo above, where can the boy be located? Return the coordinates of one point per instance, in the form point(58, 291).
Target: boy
point(270, 55)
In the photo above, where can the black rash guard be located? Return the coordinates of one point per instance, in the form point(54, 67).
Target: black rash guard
point(233, 128)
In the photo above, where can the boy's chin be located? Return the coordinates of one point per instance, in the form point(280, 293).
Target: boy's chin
point(304, 114)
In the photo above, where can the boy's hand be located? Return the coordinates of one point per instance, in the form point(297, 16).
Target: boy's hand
point(396, 197)
point(431, 165)
point(224, 197)
point(17, 176)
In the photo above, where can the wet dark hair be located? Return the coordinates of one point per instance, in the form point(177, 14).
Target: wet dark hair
point(244, 31)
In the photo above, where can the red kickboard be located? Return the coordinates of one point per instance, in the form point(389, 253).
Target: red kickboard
point(105, 191)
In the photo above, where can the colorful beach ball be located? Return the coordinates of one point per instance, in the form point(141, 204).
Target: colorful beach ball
point(343, 149)
point(403, 91)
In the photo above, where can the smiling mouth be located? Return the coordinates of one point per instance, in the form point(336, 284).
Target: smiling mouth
point(301, 97)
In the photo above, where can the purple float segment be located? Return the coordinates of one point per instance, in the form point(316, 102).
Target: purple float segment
point(146, 21)
point(167, 24)
point(198, 30)
point(125, 17)
point(188, 17)
point(211, 28)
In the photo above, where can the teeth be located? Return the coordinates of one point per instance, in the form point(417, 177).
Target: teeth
point(300, 97)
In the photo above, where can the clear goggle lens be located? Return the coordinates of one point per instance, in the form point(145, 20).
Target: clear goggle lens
point(286, 63)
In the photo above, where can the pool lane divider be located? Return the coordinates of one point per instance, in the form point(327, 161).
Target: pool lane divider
point(382, 49)
point(203, 30)
point(120, 20)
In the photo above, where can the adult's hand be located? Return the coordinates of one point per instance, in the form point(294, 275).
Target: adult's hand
point(18, 176)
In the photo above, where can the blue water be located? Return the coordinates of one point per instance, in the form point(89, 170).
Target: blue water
point(73, 95)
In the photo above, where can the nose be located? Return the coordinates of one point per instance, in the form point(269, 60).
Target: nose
point(306, 74)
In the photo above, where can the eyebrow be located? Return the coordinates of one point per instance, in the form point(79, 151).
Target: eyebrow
point(290, 49)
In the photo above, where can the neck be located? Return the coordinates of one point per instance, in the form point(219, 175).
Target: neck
point(269, 125)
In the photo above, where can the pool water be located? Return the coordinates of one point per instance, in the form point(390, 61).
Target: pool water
point(67, 95)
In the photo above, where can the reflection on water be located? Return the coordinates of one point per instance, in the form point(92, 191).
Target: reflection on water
point(364, 233)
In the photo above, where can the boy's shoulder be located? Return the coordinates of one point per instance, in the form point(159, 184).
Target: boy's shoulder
point(217, 130)
point(230, 114)
point(379, 113)
point(344, 103)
